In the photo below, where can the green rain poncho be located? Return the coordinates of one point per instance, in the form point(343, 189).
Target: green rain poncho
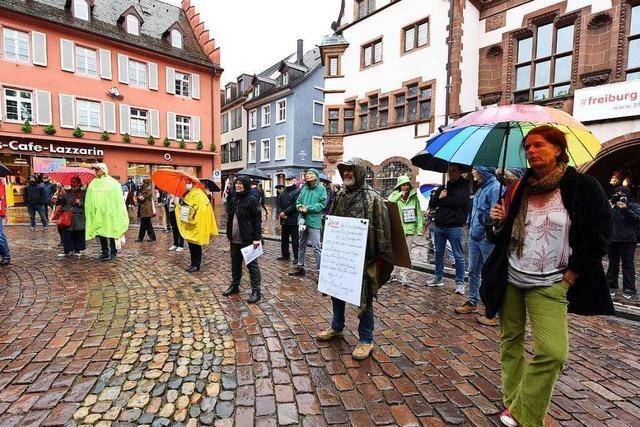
point(105, 210)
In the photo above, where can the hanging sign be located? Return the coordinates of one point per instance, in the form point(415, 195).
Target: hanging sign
point(48, 164)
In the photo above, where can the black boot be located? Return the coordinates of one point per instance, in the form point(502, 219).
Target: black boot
point(232, 289)
point(255, 296)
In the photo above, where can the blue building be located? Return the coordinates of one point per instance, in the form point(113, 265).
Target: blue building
point(285, 117)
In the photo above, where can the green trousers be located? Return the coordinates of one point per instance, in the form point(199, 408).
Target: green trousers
point(527, 387)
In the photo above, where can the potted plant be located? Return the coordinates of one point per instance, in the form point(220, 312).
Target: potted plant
point(49, 130)
point(212, 147)
point(26, 127)
point(182, 143)
point(151, 140)
point(199, 145)
point(126, 138)
point(104, 136)
point(78, 133)
point(166, 142)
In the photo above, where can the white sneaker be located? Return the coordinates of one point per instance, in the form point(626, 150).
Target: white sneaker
point(508, 420)
point(173, 248)
point(179, 249)
point(433, 283)
point(64, 255)
point(459, 289)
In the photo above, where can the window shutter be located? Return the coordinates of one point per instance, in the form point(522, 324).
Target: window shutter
point(39, 43)
point(123, 69)
point(155, 123)
point(105, 66)
point(171, 125)
point(195, 86)
point(195, 125)
point(67, 60)
point(43, 107)
point(109, 116)
point(125, 118)
point(153, 75)
point(67, 117)
point(171, 80)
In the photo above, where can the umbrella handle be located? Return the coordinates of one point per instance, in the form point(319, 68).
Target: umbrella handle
point(504, 158)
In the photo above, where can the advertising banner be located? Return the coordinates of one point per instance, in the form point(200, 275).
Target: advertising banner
point(607, 101)
point(47, 164)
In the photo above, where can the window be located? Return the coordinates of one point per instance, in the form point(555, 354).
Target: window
point(365, 7)
point(18, 105)
point(235, 153)
point(316, 149)
point(176, 39)
point(228, 93)
point(252, 152)
point(236, 118)
point(137, 73)
point(334, 120)
point(86, 63)
point(425, 104)
point(364, 110)
point(253, 119)
point(225, 123)
point(333, 66)
point(383, 107)
point(182, 83)
point(139, 122)
point(281, 147)
point(400, 108)
point(285, 78)
point(266, 115)
point(371, 53)
point(281, 111)
point(266, 150)
point(348, 120)
point(256, 91)
point(633, 61)
point(318, 113)
point(224, 153)
point(412, 102)
point(133, 25)
point(544, 63)
point(88, 115)
point(416, 35)
point(16, 45)
point(81, 9)
point(183, 128)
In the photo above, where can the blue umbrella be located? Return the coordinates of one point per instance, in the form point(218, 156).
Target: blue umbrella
point(324, 178)
point(426, 189)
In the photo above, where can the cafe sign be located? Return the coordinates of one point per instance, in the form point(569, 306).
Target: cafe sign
point(607, 101)
point(32, 147)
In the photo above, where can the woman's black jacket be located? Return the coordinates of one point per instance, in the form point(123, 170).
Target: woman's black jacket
point(589, 235)
point(249, 217)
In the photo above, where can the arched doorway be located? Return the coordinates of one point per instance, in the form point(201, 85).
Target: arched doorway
point(617, 162)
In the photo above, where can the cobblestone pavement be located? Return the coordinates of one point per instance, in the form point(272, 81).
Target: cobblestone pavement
point(139, 341)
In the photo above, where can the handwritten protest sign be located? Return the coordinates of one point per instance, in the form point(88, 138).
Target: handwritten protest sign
point(343, 249)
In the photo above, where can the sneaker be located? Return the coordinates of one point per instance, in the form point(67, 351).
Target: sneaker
point(102, 257)
point(283, 258)
point(65, 254)
point(45, 228)
point(508, 420)
point(78, 253)
point(328, 334)
point(626, 295)
point(179, 249)
point(173, 248)
point(296, 271)
point(32, 228)
point(295, 261)
point(435, 283)
point(612, 293)
point(393, 278)
point(5, 261)
point(488, 322)
point(362, 351)
point(459, 289)
point(466, 308)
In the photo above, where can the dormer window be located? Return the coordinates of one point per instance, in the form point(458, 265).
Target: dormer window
point(228, 94)
point(81, 9)
point(133, 25)
point(256, 91)
point(176, 39)
point(285, 78)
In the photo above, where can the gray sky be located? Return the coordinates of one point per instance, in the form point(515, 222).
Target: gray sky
point(254, 34)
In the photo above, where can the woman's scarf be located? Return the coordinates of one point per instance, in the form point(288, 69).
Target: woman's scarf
point(534, 186)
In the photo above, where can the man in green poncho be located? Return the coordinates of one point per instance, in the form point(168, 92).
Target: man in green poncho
point(359, 200)
point(105, 212)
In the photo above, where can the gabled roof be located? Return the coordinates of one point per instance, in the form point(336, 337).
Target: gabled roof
point(133, 11)
point(156, 18)
point(295, 66)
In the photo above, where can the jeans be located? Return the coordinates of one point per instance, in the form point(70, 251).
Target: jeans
point(314, 235)
point(236, 268)
point(146, 227)
point(625, 252)
point(454, 236)
point(365, 327)
point(106, 244)
point(479, 251)
point(178, 240)
point(41, 211)
point(289, 232)
point(196, 254)
point(527, 387)
point(4, 244)
point(448, 251)
point(72, 241)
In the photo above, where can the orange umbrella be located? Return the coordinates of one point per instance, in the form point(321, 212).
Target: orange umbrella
point(174, 181)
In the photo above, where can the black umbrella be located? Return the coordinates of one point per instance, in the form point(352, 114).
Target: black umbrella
point(427, 161)
point(212, 186)
point(4, 171)
point(254, 173)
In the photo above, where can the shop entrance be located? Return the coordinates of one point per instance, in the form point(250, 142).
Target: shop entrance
point(618, 163)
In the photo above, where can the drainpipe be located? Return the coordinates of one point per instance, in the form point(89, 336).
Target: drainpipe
point(449, 52)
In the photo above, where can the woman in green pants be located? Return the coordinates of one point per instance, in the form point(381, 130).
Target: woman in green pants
point(551, 232)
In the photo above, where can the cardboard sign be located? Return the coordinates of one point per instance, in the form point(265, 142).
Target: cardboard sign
point(344, 245)
point(401, 255)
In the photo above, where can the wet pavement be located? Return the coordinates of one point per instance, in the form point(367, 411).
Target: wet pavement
point(141, 342)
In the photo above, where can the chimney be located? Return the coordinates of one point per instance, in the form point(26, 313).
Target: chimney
point(300, 52)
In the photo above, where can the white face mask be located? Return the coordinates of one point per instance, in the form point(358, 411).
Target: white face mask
point(189, 186)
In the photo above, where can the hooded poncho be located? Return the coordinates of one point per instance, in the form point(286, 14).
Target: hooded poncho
point(203, 222)
point(104, 207)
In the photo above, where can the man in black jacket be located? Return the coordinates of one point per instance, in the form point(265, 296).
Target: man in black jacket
point(451, 206)
point(34, 198)
point(244, 228)
point(626, 223)
point(288, 216)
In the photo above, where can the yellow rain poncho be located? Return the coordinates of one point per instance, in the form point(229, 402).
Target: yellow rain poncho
point(202, 223)
point(104, 209)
